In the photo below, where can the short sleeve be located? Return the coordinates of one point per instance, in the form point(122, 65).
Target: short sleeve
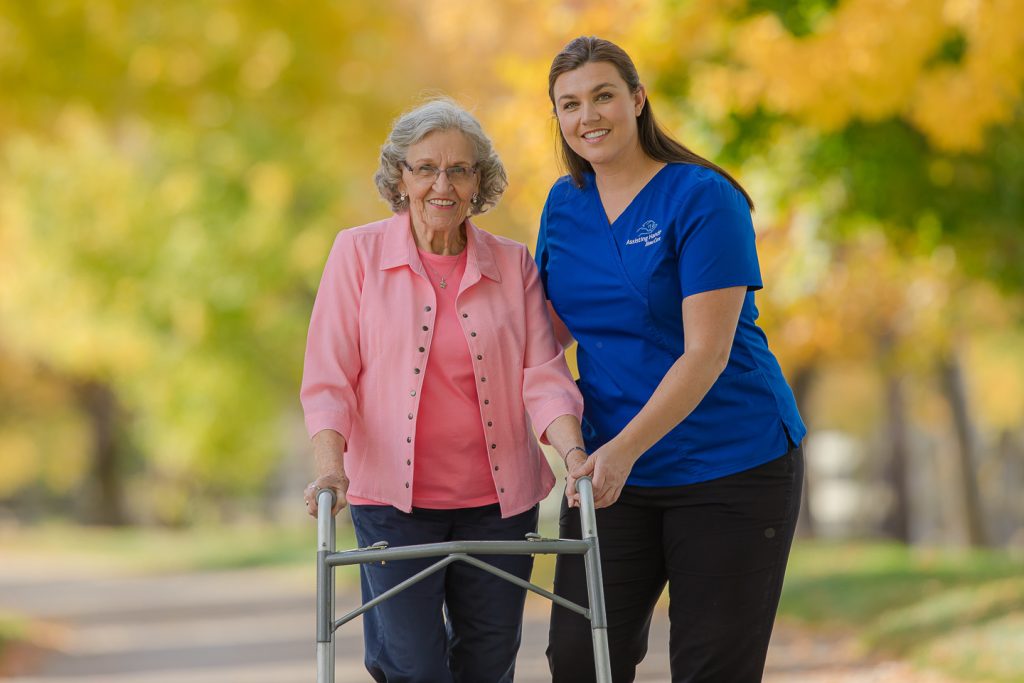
point(715, 240)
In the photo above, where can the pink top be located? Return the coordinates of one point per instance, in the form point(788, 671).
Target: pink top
point(370, 345)
point(451, 469)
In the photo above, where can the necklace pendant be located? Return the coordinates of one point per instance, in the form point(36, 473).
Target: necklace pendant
point(444, 285)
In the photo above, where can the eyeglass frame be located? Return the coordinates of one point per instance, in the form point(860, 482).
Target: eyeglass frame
point(472, 171)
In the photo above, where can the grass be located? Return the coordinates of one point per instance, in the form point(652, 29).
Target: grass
point(160, 550)
point(12, 629)
point(960, 611)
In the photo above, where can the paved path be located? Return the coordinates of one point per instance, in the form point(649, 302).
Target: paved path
point(256, 626)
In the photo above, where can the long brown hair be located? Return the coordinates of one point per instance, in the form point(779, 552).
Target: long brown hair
point(655, 142)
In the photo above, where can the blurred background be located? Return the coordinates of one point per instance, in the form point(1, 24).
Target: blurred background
point(172, 176)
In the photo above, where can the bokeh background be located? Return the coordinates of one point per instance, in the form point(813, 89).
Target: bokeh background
point(172, 176)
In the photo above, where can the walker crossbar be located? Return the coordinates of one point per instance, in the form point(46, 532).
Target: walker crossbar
point(412, 552)
point(457, 551)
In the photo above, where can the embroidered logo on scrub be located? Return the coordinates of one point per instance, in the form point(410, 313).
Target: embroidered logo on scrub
point(647, 234)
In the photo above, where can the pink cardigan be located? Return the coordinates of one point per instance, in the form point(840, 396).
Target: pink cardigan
point(369, 338)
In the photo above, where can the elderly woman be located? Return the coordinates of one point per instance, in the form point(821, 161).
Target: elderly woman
point(430, 356)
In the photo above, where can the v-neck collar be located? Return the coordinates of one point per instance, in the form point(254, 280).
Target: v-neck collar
point(596, 197)
point(609, 228)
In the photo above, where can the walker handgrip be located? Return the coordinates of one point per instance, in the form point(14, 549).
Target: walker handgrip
point(319, 498)
point(585, 488)
point(325, 520)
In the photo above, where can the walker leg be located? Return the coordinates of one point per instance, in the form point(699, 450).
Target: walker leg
point(325, 589)
point(595, 582)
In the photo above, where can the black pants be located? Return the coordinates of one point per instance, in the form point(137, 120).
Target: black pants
point(460, 624)
point(721, 545)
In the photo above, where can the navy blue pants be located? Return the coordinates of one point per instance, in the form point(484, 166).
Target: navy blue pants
point(459, 625)
point(721, 546)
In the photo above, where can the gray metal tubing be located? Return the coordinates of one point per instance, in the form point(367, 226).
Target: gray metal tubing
point(395, 590)
point(325, 541)
point(592, 557)
point(324, 573)
point(324, 663)
point(410, 552)
point(512, 578)
point(595, 581)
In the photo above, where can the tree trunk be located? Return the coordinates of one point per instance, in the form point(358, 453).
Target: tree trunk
point(105, 495)
point(956, 394)
point(803, 380)
point(897, 521)
point(1007, 515)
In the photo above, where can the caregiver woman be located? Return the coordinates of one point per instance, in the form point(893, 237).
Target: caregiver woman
point(430, 356)
point(647, 255)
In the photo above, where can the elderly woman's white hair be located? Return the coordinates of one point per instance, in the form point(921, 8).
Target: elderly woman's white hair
point(412, 126)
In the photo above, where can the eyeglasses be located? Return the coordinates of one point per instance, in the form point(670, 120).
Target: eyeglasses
point(457, 175)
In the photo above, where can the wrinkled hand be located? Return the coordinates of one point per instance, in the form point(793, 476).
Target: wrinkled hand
point(335, 482)
point(608, 469)
point(573, 461)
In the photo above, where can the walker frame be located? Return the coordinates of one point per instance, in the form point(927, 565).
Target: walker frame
point(457, 551)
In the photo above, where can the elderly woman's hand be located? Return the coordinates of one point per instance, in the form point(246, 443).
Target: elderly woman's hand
point(573, 462)
point(335, 482)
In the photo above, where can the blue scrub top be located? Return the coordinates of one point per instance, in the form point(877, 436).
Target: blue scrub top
point(619, 289)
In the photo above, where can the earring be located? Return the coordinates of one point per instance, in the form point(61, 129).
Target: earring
point(475, 199)
point(402, 197)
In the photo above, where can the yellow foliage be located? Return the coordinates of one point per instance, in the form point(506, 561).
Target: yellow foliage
point(179, 190)
point(871, 60)
point(146, 64)
point(270, 186)
point(272, 54)
point(19, 461)
point(65, 460)
point(222, 27)
point(954, 105)
point(996, 379)
point(132, 247)
point(856, 65)
point(85, 324)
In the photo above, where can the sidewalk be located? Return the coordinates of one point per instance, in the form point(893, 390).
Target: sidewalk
point(256, 626)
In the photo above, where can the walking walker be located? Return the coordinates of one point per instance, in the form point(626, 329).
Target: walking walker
point(457, 551)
